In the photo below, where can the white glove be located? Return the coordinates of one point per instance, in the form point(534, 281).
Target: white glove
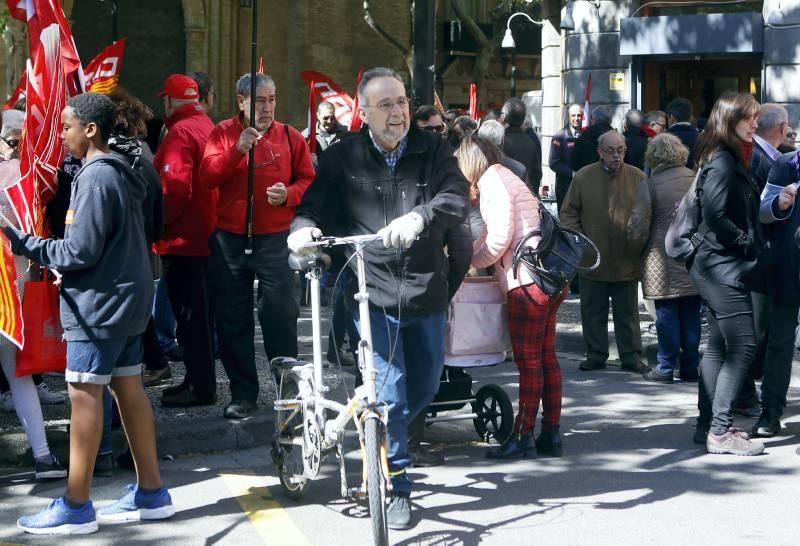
point(403, 231)
point(298, 239)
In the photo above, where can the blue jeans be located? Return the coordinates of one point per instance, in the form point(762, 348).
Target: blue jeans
point(409, 357)
point(164, 318)
point(678, 328)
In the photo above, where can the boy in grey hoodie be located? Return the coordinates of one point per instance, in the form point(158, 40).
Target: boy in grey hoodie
point(105, 288)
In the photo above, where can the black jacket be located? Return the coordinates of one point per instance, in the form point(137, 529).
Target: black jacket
point(561, 148)
point(585, 152)
point(688, 136)
point(730, 203)
point(355, 193)
point(783, 273)
point(521, 147)
point(636, 142)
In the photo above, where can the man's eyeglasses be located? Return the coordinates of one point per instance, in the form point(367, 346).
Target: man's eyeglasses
point(388, 105)
point(615, 151)
point(791, 135)
point(272, 157)
point(11, 143)
point(663, 125)
point(434, 128)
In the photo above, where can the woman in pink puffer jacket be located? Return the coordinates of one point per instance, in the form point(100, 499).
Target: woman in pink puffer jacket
point(511, 211)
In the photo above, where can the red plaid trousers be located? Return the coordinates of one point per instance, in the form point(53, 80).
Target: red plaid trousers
point(532, 328)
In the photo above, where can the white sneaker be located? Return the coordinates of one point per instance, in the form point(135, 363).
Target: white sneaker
point(46, 396)
point(7, 402)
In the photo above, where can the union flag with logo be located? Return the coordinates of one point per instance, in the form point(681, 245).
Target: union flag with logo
point(102, 73)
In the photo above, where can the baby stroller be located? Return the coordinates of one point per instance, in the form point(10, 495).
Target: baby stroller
point(476, 336)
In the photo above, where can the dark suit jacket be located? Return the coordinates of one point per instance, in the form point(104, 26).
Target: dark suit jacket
point(688, 136)
point(518, 145)
point(636, 142)
point(585, 152)
point(760, 165)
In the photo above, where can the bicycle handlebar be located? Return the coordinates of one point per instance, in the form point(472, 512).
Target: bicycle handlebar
point(354, 240)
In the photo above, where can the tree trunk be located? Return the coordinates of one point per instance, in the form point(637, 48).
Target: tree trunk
point(487, 47)
point(407, 53)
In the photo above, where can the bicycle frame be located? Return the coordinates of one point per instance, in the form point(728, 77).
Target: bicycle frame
point(364, 401)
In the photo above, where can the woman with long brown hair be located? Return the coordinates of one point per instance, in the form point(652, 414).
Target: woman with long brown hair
point(725, 268)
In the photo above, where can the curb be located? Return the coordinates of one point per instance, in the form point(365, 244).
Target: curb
point(173, 438)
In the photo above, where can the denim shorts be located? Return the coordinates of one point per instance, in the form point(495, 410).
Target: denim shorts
point(96, 362)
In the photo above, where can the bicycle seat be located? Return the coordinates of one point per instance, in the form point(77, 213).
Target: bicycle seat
point(305, 262)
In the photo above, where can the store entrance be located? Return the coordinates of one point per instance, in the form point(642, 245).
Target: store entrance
point(702, 80)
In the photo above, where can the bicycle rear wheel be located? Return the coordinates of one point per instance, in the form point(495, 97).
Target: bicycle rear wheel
point(376, 481)
point(290, 459)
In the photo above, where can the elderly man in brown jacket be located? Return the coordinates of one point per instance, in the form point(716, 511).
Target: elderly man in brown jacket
point(599, 204)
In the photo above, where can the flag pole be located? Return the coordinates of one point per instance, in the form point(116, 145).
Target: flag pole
point(252, 153)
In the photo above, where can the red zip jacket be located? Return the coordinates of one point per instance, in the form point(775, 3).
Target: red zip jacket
point(225, 168)
point(189, 205)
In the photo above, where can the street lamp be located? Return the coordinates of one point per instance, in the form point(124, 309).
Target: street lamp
point(508, 43)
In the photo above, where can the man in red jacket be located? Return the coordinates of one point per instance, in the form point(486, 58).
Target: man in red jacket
point(189, 220)
point(283, 171)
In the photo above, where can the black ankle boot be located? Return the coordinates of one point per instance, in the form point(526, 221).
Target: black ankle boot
point(518, 445)
point(549, 442)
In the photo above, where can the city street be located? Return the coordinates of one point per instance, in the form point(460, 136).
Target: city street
point(630, 475)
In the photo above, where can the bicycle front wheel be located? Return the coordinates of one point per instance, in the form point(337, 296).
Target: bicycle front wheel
point(376, 481)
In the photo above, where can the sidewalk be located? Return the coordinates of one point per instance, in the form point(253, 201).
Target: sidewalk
point(203, 430)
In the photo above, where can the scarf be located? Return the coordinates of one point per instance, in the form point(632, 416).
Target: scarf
point(126, 145)
point(747, 152)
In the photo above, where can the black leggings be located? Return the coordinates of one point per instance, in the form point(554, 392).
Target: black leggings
point(730, 350)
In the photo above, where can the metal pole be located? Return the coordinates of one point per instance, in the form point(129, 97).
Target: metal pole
point(514, 71)
point(114, 21)
point(252, 154)
point(424, 50)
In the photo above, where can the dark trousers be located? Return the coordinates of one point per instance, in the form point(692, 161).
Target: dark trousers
point(153, 357)
point(778, 358)
point(762, 310)
point(343, 322)
point(730, 350)
point(624, 297)
point(678, 329)
point(187, 286)
point(562, 185)
point(232, 276)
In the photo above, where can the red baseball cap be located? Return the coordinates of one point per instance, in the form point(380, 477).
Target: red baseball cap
point(181, 87)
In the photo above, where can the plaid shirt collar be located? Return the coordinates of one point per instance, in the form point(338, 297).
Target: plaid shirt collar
point(393, 157)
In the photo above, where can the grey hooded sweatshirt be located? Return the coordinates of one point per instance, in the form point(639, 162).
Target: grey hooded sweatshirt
point(107, 285)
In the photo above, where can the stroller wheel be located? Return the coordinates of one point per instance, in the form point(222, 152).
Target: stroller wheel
point(494, 414)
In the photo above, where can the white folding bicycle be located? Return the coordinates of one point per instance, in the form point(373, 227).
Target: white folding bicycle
point(308, 425)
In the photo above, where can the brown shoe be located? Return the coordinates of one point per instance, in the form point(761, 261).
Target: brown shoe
point(154, 377)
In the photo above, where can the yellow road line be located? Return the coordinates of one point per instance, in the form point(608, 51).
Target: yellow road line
point(270, 520)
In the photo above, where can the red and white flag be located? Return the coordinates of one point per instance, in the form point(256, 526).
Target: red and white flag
point(355, 120)
point(18, 93)
point(40, 14)
point(325, 89)
point(102, 73)
point(587, 109)
point(438, 103)
point(312, 119)
point(473, 101)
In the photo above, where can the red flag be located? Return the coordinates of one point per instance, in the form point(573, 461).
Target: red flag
point(587, 109)
point(437, 102)
point(325, 89)
point(261, 65)
point(355, 120)
point(10, 305)
point(40, 14)
point(102, 73)
point(312, 118)
point(473, 101)
point(18, 93)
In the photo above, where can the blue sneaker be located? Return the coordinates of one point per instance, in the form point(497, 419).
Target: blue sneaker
point(137, 505)
point(60, 519)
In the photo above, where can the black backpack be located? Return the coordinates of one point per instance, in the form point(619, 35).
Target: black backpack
point(557, 258)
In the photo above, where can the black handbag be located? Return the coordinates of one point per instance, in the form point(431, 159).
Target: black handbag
point(687, 231)
point(555, 261)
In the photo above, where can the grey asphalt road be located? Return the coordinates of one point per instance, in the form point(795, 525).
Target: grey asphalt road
point(630, 475)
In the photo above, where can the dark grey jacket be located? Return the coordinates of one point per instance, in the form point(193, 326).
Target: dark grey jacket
point(107, 286)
